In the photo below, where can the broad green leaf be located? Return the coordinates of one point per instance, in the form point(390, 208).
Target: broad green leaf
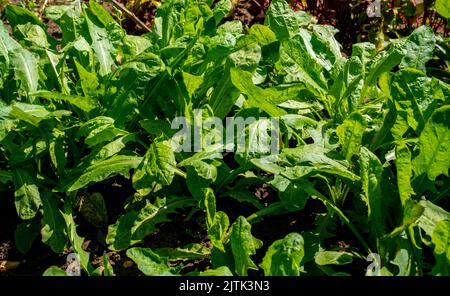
point(102, 134)
point(93, 208)
point(101, 13)
point(263, 34)
point(68, 18)
point(300, 162)
point(281, 19)
point(243, 245)
point(384, 61)
point(284, 256)
point(419, 48)
point(220, 271)
point(53, 231)
point(135, 45)
point(301, 66)
point(350, 134)
point(26, 233)
point(54, 271)
point(150, 263)
point(84, 103)
point(441, 238)
point(103, 49)
point(290, 193)
point(25, 69)
point(99, 171)
point(189, 252)
point(75, 240)
point(7, 45)
point(443, 8)
point(371, 178)
point(404, 172)
point(431, 216)
point(34, 35)
point(17, 15)
point(156, 169)
point(112, 148)
point(218, 230)
point(333, 257)
point(108, 270)
point(90, 125)
point(256, 96)
point(27, 197)
point(415, 97)
point(136, 224)
point(166, 18)
point(441, 241)
point(225, 94)
point(222, 9)
point(89, 82)
point(434, 146)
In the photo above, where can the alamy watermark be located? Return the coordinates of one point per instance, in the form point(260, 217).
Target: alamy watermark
point(237, 134)
point(374, 9)
point(73, 265)
point(374, 268)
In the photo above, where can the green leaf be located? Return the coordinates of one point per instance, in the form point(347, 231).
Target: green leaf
point(27, 197)
point(263, 34)
point(243, 245)
point(431, 216)
point(217, 232)
point(434, 146)
point(101, 13)
point(7, 45)
point(150, 263)
point(301, 66)
point(281, 19)
point(69, 20)
point(350, 134)
point(34, 35)
point(303, 161)
point(53, 231)
point(290, 193)
point(93, 208)
point(136, 224)
point(99, 171)
point(443, 8)
point(189, 252)
point(441, 238)
point(441, 241)
point(108, 270)
point(384, 61)
point(371, 178)
point(75, 240)
point(419, 48)
point(84, 103)
point(404, 172)
point(256, 96)
point(25, 69)
point(220, 271)
point(415, 97)
point(157, 168)
point(17, 15)
point(167, 17)
point(222, 9)
point(54, 271)
point(333, 257)
point(112, 148)
point(26, 233)
point(284, 256)
point(102, 46)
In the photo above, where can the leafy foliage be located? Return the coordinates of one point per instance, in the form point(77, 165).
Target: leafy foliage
point(364, 141)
